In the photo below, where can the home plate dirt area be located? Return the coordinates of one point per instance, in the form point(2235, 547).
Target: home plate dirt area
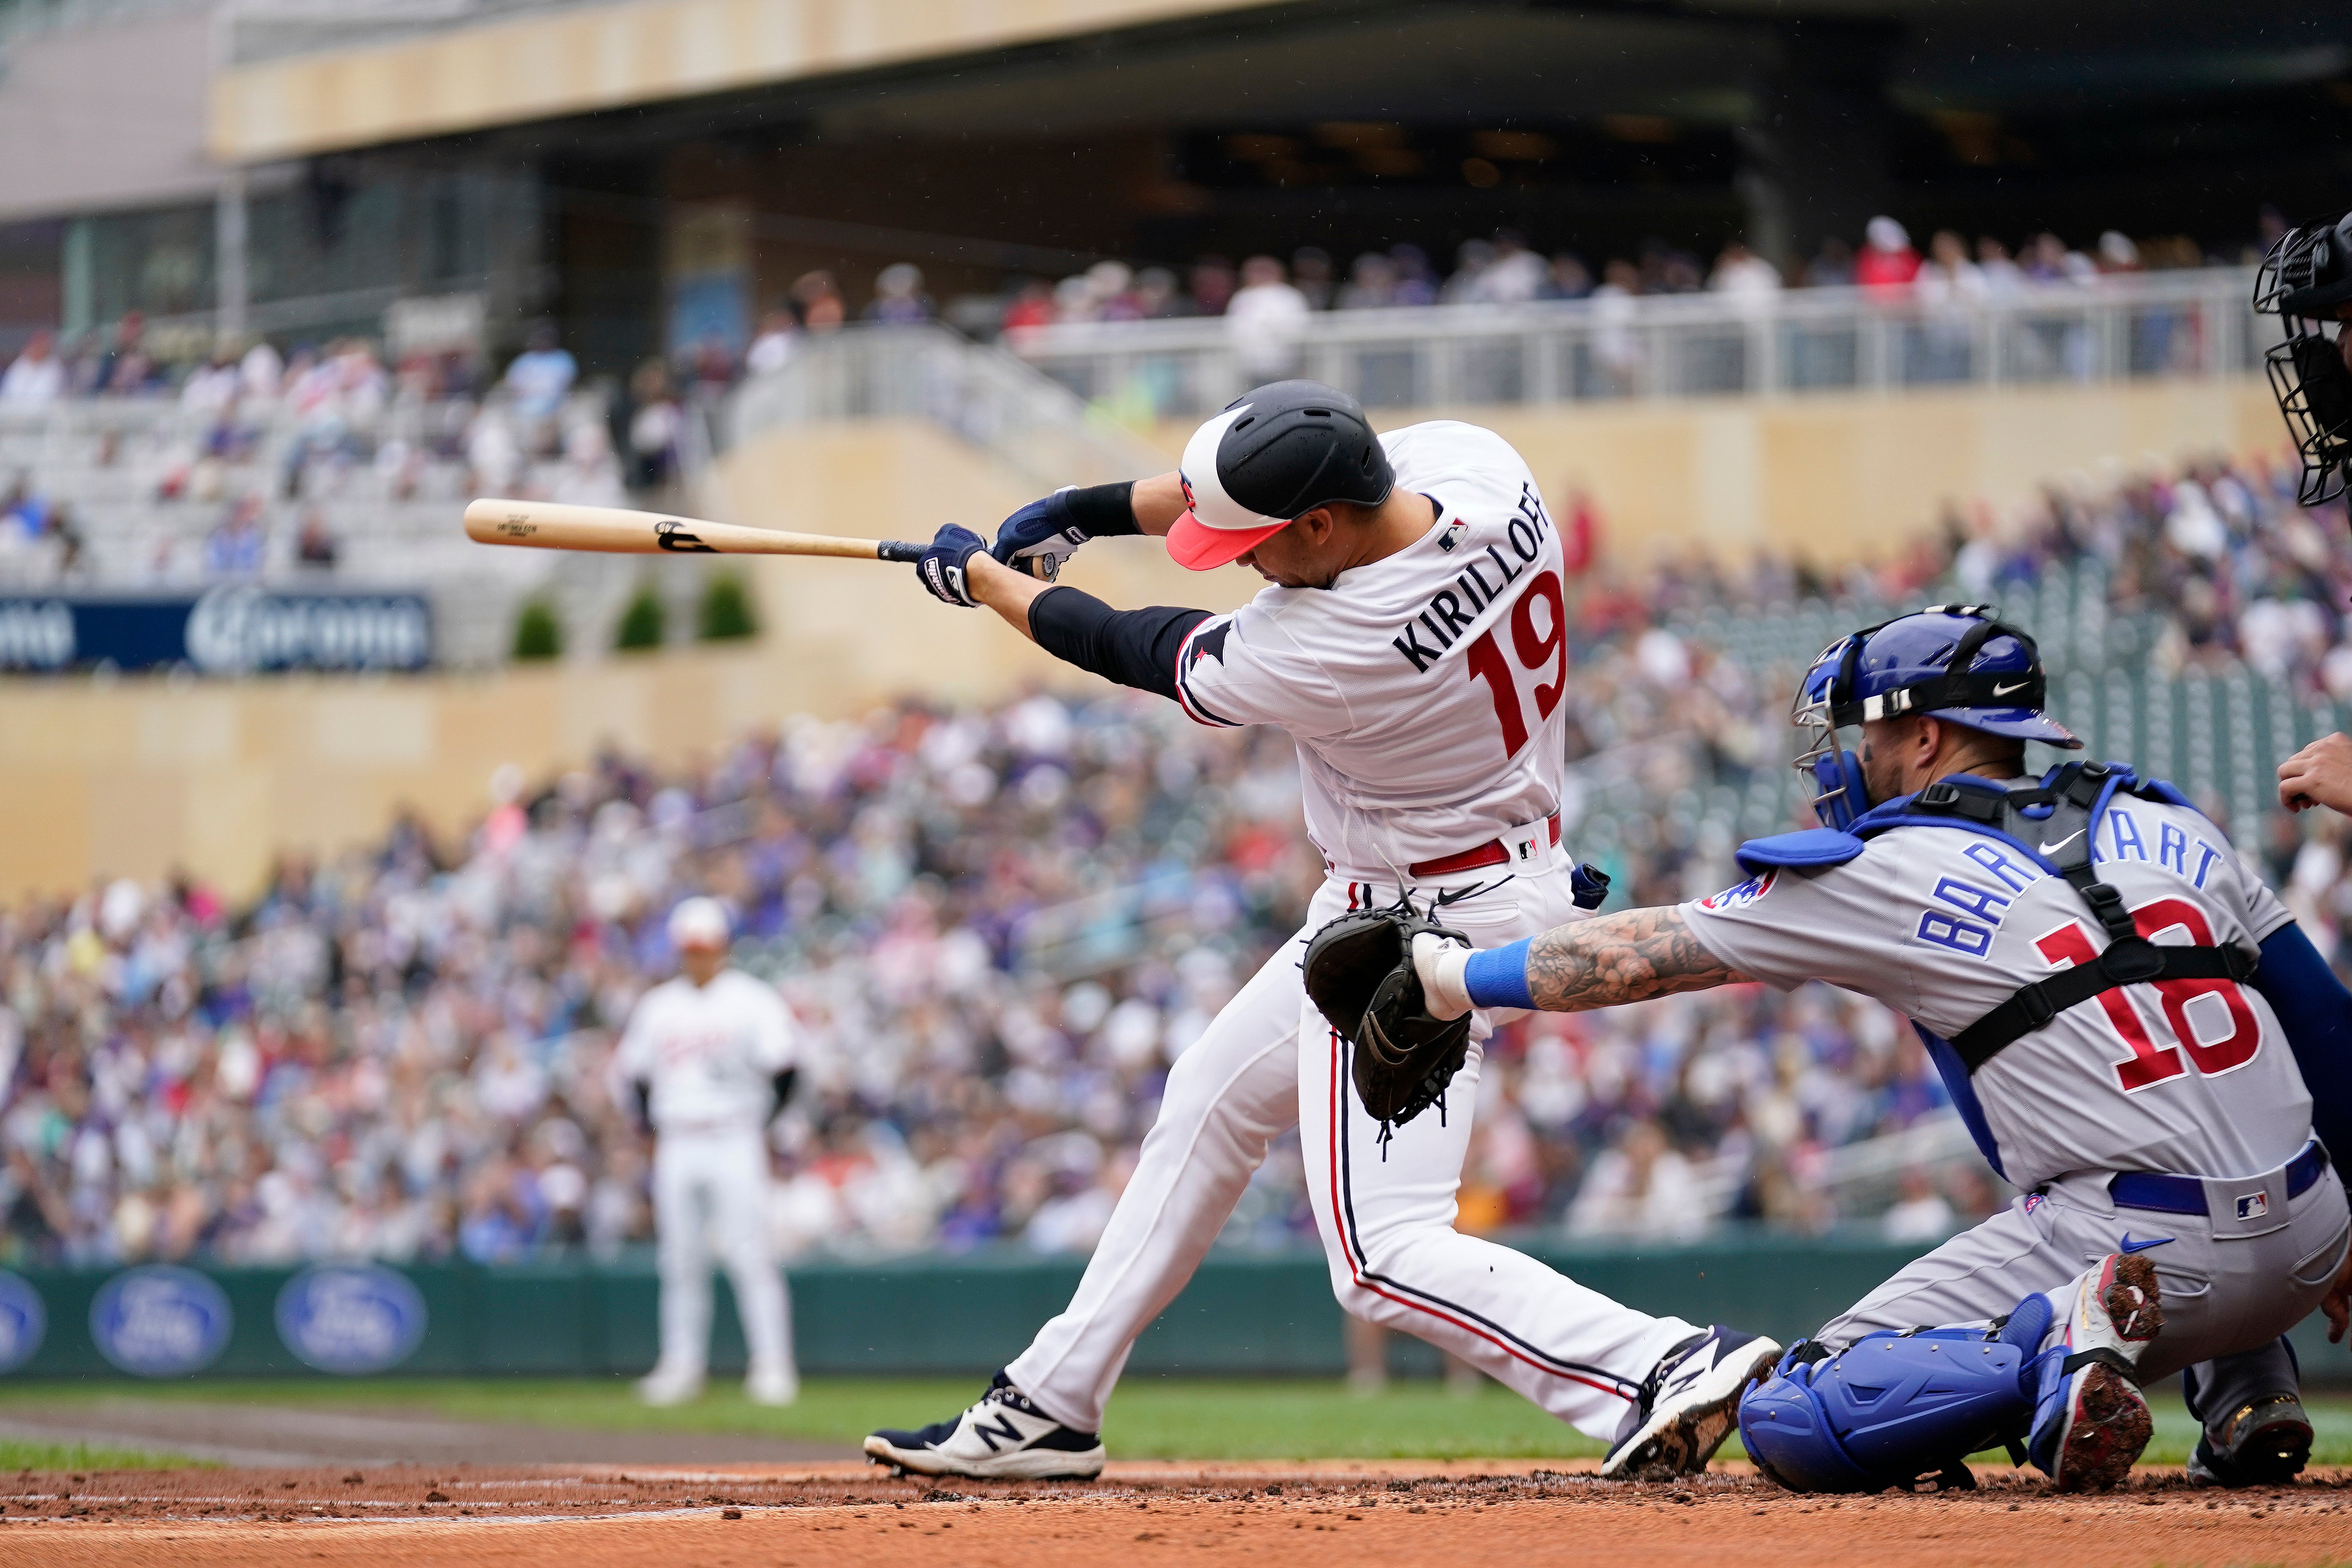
point(1342, 1513)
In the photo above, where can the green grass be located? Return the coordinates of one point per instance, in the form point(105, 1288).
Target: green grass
point(1149, 1418)
point(16, 1456)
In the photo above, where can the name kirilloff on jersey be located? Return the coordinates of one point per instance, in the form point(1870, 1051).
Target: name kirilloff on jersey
point(1535, 625)
point(2211, 1025)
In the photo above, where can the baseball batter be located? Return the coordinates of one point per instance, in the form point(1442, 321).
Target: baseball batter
point(708, 1060)
point(1412, 641)
point(2118, 1004)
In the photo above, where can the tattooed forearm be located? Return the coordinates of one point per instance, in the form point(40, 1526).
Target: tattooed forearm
point(1624, 957)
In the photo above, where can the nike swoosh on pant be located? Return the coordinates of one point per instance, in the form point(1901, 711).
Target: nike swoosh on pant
point(2129, 1245)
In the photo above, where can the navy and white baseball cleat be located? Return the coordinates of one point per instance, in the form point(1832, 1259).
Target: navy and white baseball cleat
point(1004, 1438)
point(2090, 1422)
point(1689, 1403)
point(2265, 1442)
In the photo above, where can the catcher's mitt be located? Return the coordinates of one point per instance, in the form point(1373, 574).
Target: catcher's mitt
point(1360, 973)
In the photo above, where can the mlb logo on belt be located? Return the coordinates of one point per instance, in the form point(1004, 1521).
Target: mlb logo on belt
point(2253, 1205)
point(1524, 847)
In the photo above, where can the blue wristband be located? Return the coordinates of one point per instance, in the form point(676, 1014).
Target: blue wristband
point(1498, 976)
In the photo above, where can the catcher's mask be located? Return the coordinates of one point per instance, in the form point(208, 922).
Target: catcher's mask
point(2307, 282)
point(1955, 661)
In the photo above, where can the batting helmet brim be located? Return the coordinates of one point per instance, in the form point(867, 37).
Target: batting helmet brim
point(1195, 546)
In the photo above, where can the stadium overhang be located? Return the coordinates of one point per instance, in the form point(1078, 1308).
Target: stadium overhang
point(593, 59)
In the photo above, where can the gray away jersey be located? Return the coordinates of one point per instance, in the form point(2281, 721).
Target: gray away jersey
point(2193, 1076)
point(1424, 689)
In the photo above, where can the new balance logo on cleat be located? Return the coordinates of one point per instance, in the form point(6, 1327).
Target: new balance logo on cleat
point(1002, 1437)
point(2090, 1422)
point(1689, 1403)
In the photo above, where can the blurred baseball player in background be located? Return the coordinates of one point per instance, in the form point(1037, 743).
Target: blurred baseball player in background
point(709, 1060)
point(1413, 642)
point(2127, 1020)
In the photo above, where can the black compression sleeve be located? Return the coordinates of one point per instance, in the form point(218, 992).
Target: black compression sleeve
point(1134, 648)
point(783, 1083)
point(1104, 512)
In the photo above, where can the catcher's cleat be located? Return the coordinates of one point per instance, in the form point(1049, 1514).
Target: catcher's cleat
point(1689, 1403)
point(2090, 1422)
point(1004, 1438)
point(2262, 1443)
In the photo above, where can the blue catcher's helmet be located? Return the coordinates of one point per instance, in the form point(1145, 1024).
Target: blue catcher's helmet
point(1955, 661)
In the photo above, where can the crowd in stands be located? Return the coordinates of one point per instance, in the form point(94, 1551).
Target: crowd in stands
point(1503, 269)
point(996, 930)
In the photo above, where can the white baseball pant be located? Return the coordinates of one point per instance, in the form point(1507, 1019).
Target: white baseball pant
point(1386, 1215)
point(705, 1181)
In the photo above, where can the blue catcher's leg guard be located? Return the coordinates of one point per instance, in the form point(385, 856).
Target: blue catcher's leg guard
point(1891, 1408)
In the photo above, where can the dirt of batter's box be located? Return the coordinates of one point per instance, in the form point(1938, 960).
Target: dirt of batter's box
point(1355, 1514)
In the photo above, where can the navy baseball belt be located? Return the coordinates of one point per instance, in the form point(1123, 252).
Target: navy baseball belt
point(2187, 1195)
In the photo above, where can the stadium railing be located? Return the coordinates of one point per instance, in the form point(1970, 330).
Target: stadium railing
point(982, 394)
point(2190, 322)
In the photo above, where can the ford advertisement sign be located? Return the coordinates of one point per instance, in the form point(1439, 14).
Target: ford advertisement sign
point(353, 1318)
point(236, 628)
point(23, 1321)
point(160, 1321)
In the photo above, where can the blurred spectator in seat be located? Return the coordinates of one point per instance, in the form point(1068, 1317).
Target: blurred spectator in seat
point(1515, 275)
point(493, 456)
point(822, 308)
point(1569, 278)
point(2003, 278)
point(1831, 266)
point(2049, 261)
point(1212, 283)
point(1310, 274)
point(1156, 297)
point(261, 372)
point(316, 548)
point(1640, 1187)
point(654, 428)
point(1746, 279)
point(589, 474)
point(541, 378)
point(211, 387)
point(1267, 318)
point(899, 298)
point(238, 546)
point(1467, 285)
point(2117, 253)
point(35, 376)
point(1371, 283)
point(1110, 292)
point(1033, 306)
point(1616, 347)
point(1920, 1213)
point(126, 369)
point(1887, 262)
point(24, 508)
point(1416, 280)
point(779, 332)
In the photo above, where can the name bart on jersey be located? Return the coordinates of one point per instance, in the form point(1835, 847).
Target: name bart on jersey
point(1484, 573)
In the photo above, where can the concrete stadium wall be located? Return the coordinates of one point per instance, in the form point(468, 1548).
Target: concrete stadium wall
point(1241, 1315)
point(1848, 476)
point(140, 777)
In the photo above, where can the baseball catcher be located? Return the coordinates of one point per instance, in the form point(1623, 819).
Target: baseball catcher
point(2130, 1023)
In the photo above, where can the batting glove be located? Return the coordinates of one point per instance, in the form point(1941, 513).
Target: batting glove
point(942, 569)
point(1042, 536)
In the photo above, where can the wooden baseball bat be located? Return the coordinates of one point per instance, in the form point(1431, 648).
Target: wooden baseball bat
point(548, 525)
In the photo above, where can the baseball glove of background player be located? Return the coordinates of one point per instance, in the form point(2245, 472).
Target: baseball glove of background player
point(1360, 973)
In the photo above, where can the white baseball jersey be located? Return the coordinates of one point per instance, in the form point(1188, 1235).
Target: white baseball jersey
point(2192, 1076)
point(1424, 689)
point(710, 1052)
